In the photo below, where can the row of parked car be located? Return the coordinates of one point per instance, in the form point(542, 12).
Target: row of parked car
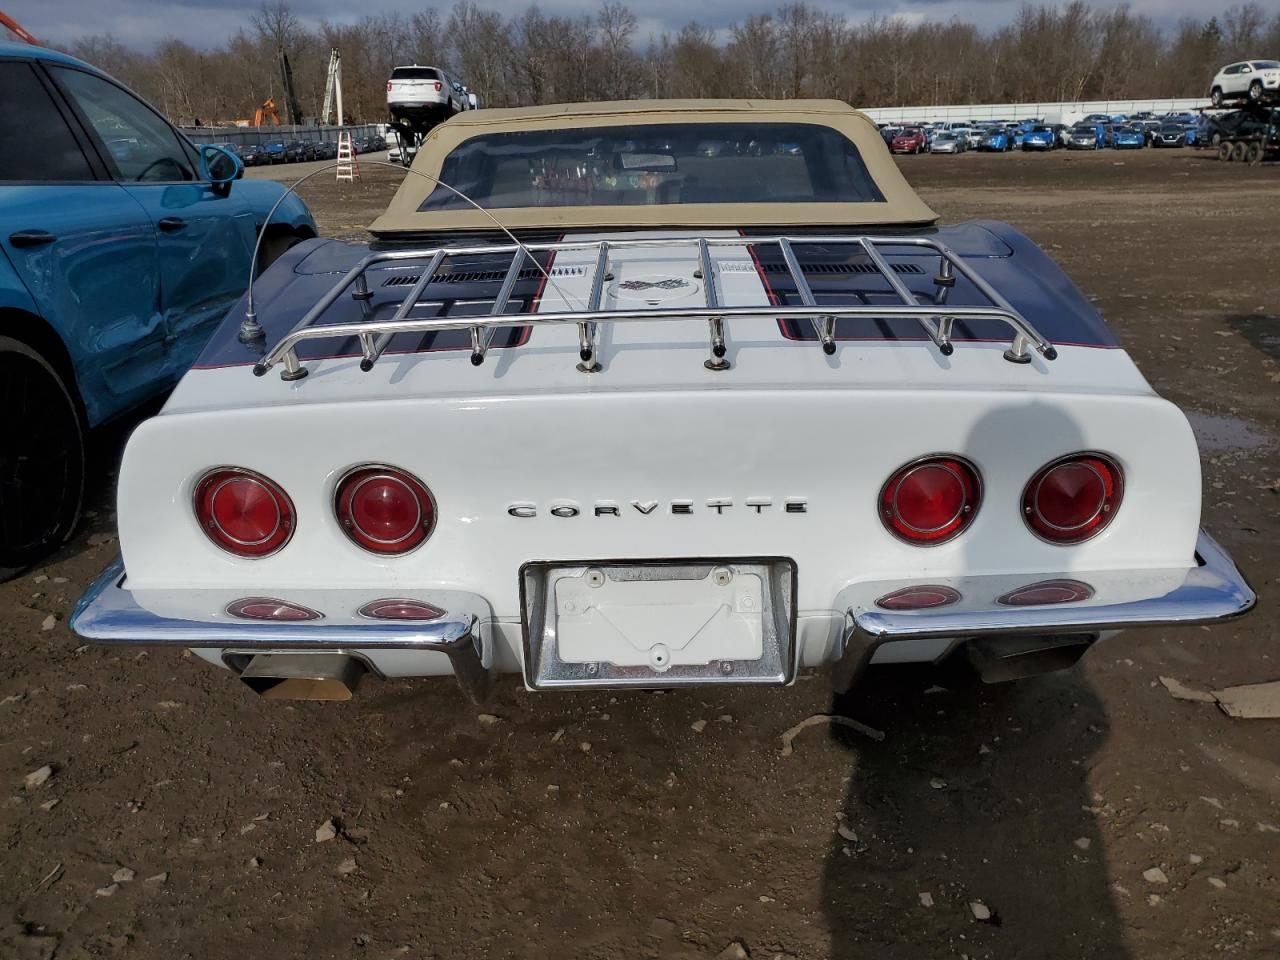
point(1094, 132)
point(298, 151)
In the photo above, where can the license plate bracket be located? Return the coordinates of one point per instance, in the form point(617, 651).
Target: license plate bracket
point(658, 623)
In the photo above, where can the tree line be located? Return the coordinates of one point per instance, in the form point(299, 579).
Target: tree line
point(1074, 51)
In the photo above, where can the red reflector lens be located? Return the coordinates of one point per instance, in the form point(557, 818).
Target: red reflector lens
point(932, 500)
point(918, 598)
point(401, 610)
point(243, 512)
point(1073, 499)
point(385, 510)
point(264, 608)
point(1047, 591)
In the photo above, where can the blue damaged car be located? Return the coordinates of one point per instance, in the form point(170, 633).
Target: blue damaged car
point(997, 140)
point(122, 245)
point(1128, 138)
point(1039, 137)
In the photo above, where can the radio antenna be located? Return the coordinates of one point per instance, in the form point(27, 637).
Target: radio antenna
point(251, 329)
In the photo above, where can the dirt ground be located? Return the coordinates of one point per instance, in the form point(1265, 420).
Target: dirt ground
point(181, 817)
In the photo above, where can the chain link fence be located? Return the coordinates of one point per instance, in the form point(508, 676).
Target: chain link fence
point(256, 136)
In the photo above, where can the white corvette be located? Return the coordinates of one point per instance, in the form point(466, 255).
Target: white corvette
point(717, 401)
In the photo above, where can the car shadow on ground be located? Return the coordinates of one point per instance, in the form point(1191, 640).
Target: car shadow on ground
point(973, 818)
point(938, 829)
point(1262, 330)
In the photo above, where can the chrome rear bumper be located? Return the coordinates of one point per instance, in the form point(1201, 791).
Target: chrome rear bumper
point(1212, 590)
point(109, 613)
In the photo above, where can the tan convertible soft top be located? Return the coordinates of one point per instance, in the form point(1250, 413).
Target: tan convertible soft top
point(900, 206)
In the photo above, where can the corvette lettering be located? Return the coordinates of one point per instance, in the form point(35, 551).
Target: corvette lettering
point(719, 506)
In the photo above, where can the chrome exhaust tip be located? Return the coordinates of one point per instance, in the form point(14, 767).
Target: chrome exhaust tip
point(303, 676)
point(1000, 659)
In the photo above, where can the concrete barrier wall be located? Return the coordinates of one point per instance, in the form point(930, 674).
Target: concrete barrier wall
point(1065, 112)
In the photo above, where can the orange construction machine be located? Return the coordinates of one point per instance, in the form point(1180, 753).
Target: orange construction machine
point(16, 28)
point(268, 109)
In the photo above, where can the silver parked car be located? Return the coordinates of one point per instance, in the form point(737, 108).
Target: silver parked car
point(948, 143)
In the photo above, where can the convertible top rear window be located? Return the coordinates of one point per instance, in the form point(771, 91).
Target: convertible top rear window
point(655, 164)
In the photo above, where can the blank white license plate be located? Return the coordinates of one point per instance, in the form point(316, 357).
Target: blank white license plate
point(659, 623)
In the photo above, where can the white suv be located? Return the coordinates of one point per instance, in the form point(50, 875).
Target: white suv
point(1248, 79)
point(423, 96)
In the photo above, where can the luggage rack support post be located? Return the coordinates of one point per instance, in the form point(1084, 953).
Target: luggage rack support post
point(1025, 336)
point(1018, 352)
point(717, 360)
point(944, 345)
point(480, 335)
point(587, 361)
point(293, 370)
point(362, 296)
point(823, 327)
point(371, 348)
point(945, 281)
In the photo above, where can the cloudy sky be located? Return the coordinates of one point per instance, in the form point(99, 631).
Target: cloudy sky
point(208, 22)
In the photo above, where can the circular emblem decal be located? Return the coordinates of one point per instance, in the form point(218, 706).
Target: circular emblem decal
point(655, 288)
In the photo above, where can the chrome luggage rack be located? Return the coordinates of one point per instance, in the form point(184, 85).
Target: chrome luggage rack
point(934, 316)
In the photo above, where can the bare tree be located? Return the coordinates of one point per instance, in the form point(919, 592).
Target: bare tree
point(617, 24)
point(753, 56)
point(276, 23)
point(426, 40)
point(695, 62)
point(1242, 31)
point(483, 54)
point(1070, 52)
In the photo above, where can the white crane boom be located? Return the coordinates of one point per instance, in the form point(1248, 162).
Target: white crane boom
point(333, 84)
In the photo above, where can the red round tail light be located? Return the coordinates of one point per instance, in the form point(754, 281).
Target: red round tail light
point(1073, 498)
point(385, 510)
point(932, 500)
point(243, 512)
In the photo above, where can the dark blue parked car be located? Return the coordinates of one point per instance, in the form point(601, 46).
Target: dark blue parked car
point(998, 140)
point(121, 247)
point(1018, 131)
point(1202, 136)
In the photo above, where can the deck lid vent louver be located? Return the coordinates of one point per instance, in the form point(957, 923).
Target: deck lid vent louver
point(842, 268)
point(482, 276)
